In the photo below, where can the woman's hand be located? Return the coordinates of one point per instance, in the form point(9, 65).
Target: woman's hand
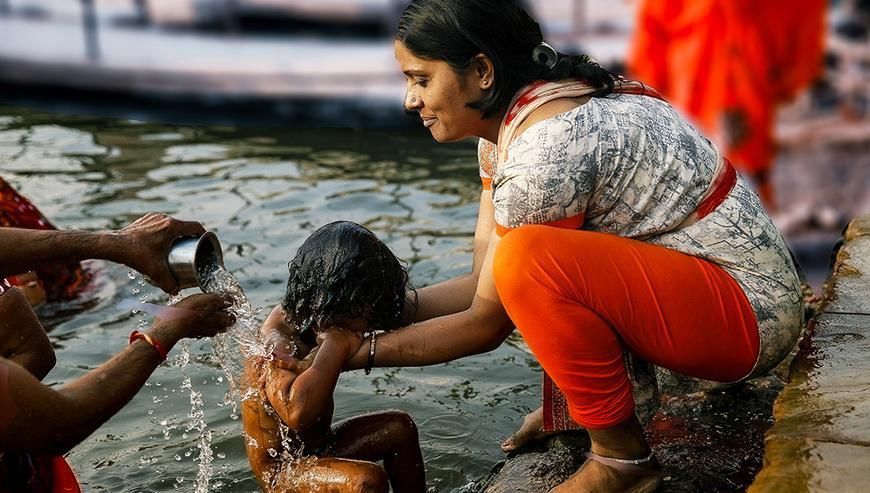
point(145, 244)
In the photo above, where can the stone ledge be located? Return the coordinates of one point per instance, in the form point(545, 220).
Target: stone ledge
point(821, 437)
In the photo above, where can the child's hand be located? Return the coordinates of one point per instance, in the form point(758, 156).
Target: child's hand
point(283, 361)
point(347, 341)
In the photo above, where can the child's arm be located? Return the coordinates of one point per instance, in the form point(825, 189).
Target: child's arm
point(300, 401)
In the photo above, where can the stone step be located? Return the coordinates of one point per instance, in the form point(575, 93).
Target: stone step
point(820, 441)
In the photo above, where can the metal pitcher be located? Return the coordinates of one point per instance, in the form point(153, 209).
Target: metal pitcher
point(192, 259)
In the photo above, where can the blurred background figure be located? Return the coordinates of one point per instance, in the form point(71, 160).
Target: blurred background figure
point(848, 57)
point(728, 64)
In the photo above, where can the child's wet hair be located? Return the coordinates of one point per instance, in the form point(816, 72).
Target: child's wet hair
point(343, 271)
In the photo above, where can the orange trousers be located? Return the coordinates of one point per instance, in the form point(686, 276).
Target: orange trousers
point(581, 298)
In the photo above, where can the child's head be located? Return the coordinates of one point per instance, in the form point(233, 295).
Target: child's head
point(342, 273)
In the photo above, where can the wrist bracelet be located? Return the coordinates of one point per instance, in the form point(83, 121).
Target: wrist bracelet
point(371, 361)
point(136, 335)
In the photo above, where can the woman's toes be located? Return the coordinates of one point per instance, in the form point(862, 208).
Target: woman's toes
point(523, 436)
point(508, 445)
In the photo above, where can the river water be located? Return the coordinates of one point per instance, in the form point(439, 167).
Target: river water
point(263, 192)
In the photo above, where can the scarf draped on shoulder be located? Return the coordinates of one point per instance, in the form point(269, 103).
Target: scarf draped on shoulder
point(539, 93)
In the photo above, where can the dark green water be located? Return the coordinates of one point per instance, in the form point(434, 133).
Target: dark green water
point(262, 192)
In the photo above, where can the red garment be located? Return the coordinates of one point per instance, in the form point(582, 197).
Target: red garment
point(21, 472)
point(26, 473)
point(579, 298)
point(728, 63)
point(60, 281)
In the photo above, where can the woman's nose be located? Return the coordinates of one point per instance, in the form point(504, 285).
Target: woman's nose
point(412, 101)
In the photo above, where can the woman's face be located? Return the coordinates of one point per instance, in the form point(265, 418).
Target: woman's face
point(440, 96)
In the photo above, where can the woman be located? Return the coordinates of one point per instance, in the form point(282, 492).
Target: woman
point(607, 224)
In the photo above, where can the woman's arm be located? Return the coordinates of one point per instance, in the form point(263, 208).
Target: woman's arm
point(37, 418)
point(481, 327)
point(457, 294)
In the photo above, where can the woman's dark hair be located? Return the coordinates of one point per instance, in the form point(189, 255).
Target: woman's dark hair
point(343, 271)
point(455, 31)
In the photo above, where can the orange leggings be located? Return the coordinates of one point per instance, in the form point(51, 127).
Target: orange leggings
point(579, 298)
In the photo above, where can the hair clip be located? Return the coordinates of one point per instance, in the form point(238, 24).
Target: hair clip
point(588, 59)
point(545, 55)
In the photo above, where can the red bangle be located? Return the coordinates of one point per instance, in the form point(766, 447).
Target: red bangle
point(136, 335)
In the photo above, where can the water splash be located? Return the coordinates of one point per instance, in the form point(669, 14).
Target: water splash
point(240, 341)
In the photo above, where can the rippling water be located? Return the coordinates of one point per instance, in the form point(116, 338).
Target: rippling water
point(263, 192)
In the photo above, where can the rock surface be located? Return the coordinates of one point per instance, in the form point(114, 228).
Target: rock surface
point(821, 437)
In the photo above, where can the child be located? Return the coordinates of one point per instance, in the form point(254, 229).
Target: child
point(343, 282)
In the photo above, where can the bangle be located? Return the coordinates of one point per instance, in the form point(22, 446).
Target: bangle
point(136, 335)
point(371, 360)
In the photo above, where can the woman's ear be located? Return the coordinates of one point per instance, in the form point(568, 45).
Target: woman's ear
point(484, 71)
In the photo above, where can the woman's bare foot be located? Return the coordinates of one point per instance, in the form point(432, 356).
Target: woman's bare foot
point(532, 429)
point(620, 461)
point(597, 477)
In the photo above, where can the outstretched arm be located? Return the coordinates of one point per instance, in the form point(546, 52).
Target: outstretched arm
point(481, 327)
point(36, 418)
point(143, 245)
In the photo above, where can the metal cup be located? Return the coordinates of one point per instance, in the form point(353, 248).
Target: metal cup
point(192, 258)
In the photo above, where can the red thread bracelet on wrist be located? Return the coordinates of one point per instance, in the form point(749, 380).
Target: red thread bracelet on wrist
point(136, 335)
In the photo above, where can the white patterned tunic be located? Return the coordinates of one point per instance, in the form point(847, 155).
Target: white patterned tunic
point(630, 165)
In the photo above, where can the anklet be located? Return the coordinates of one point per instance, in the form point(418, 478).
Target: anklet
point(631, 462)
point(631, 467)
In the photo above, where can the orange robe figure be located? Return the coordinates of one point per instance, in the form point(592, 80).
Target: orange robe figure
point(727, 64)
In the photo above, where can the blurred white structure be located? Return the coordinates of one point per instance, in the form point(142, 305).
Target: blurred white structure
point(158, 48)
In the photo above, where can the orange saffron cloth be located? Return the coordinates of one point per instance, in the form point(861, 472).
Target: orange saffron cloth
point(730, 60)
